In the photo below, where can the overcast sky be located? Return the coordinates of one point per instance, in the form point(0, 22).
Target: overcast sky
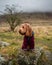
point(29, 5)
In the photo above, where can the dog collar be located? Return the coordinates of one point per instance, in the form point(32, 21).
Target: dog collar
point(32, 33)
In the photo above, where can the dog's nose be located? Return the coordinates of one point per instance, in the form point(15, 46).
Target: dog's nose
point(20, 31)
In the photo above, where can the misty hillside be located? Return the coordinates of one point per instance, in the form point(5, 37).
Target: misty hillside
point(36, 18)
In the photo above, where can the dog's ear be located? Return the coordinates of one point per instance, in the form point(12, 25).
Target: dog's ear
point(29, 30)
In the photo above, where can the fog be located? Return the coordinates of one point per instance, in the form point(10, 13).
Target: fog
point(29, 5)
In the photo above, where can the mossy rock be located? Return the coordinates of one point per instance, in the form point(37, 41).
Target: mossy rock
point(37, 57)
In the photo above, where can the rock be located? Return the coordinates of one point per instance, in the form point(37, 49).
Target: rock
point(28, 57)
point(37, 57)
point(3, 61)
point(4, 44)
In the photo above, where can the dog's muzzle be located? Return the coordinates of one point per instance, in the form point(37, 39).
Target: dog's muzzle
point(22, 33)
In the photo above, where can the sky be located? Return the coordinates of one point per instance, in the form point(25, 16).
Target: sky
point(29, 5)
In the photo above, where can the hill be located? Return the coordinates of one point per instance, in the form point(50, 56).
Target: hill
point(37, 18)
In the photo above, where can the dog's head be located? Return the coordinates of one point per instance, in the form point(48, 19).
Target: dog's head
point(25, 29)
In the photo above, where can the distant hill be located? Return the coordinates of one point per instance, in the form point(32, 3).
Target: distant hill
point(37, 18)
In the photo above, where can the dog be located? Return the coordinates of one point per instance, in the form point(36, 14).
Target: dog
point(28, 42)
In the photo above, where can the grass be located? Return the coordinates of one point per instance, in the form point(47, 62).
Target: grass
point(15, 39)
point(42, 39)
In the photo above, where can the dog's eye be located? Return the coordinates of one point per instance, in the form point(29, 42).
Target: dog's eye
point(23, 27)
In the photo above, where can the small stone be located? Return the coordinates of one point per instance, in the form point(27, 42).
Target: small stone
point(4, 44)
